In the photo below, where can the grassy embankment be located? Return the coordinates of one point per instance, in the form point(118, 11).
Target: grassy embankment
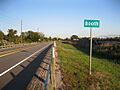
point(75, 69)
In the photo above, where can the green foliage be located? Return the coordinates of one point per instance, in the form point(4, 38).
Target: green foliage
point(17, 39)
point(45, 39)
point(11, 35)
point(50, 38)
point(74, 37)
point(27, 37)
point(31, 36)
point(111, 52)
point(1, 35)
point(55, 38)
point(75, 69)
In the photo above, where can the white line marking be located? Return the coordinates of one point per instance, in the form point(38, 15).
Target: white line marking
point(23, 61)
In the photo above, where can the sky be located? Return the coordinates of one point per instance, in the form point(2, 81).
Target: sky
point(61, 18)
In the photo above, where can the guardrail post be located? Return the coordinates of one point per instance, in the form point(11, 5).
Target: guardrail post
point(54, 45)
point(53, 54)
point(53, 50)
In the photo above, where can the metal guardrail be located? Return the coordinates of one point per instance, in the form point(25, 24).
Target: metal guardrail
point(48, 73)
point(47, 76)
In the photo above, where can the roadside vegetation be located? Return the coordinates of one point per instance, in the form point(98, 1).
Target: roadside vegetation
point(27, 37)
point(108, 48)
point(75, 70)
point(112, 52)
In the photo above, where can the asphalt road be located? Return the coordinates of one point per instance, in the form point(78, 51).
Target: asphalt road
point(18, 68)
point(15, 48)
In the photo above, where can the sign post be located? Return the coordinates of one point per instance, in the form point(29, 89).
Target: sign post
point(90, 50)
point(91, 24)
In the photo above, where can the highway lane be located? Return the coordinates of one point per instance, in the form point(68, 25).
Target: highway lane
point(12, 65)
point(14, 49)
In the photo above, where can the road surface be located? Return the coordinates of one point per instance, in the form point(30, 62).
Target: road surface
point(18, 66)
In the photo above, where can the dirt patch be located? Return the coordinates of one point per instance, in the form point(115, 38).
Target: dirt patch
point(58, 76)
point(97, 81)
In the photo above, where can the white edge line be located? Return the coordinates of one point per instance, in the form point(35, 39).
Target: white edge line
point(22, 61)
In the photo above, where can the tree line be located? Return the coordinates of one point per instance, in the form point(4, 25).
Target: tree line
point(26, 37)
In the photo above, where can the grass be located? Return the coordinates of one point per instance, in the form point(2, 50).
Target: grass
point(75, 70)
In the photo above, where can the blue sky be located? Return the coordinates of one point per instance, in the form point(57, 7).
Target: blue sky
point(61, 18)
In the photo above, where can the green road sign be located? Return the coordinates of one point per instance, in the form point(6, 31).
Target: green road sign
point(92, 23)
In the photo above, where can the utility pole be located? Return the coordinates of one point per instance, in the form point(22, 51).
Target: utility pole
point(21, 31)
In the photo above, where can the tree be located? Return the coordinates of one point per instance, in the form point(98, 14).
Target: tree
point(50, 38)
point(55, 38)
point(31, 36)
point(1, 35)
point(74, 37)
point(17, 39)
point(66, 39)
point(11, 35)
point(45, 39)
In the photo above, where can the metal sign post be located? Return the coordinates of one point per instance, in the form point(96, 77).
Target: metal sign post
point(90, 61)
point(91, 24)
